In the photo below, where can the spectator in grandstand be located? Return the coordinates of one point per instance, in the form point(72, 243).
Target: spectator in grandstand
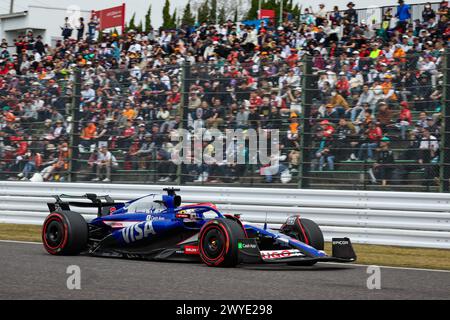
point(371, 139)
point(366, 97)
point(443, 8)
point(385, 115)
point(66, 29)
point(146, 152)
point(87, 138)
point(59, 131)
point(350, 15)
point(8, 115)
point(92, 27)
point(384, 164)
point(307, 17)
point(403, 14)
point(343, 137)
point(88, 94)
point(364, 119)
point(338, 101)
point(322, 151)
point(332, 113)
point(335, 16)
point(104, 163)
point(428, 13)
point(57, 162)
point(49, 161)
point(32, 162)
point(80, 29)
point(203, 166)
point(29, 112)
point(321, 15)
point(428, 155)
point(433, 126)
point(277, 167)
point(404, 119)
point(166, 169)
point(242, 118)
point(126, 136)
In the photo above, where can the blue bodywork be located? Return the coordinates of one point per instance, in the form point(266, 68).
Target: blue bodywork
point(154, 216)
point(157, 227)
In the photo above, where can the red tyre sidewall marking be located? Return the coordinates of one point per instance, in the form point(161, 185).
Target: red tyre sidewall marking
point(220, 258)
point(303, 231)
point(50, 218)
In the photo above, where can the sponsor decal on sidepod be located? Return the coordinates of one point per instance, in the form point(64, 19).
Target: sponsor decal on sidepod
point(137, 232)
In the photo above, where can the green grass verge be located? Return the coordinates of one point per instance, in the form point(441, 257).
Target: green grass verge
point(367, 254)
point(400, 256)
point(20, 232)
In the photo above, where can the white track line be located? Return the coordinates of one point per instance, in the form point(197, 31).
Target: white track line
point(386, 267)
point(333, 263)
point(22, 242)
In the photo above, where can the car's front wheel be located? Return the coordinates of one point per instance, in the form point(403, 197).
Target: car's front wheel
point(218, 242)
point(306, 231)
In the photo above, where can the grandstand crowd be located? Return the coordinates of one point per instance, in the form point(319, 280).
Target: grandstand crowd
point(378, 97)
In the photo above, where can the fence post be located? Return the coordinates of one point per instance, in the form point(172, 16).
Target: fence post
point(183, 109)
point(445, 138)
point(305, 141)
point(75, 134)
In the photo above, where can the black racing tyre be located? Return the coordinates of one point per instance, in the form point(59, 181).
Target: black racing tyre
point(65, 233)
point(218, 242)
point(313, 234)
point(307, 231)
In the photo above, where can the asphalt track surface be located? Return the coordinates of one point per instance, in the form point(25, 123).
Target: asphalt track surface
point(28, 272)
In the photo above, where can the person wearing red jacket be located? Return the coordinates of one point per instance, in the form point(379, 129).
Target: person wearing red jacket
point(255, 100)
point(405, 113)
point(173, 97)
point(343, 85)
point(328, 129)
point(374, 135)
point(292, 59)
point(404, 119)
point(22, 147)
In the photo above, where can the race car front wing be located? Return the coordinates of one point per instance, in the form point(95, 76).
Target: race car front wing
point(249, 252)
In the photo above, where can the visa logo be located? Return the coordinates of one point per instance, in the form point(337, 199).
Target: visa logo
point(137, 232)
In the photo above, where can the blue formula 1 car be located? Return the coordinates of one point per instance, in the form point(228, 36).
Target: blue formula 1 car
point(158, 227)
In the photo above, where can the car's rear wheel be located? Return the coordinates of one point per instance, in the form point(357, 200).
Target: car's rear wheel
point(307, 231)
point(65, 233)
point(218, 242)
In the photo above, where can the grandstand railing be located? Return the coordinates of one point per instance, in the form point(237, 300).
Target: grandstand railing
point(376, 13)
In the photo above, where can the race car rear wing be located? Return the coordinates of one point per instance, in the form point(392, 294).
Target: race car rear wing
point(96, 202)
